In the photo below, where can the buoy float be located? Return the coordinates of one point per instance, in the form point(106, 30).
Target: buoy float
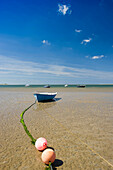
point(41, 144)
point(48, 155)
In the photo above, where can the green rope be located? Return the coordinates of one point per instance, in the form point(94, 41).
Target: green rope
point(24, 125)
point(29, 134)
point(50, 167)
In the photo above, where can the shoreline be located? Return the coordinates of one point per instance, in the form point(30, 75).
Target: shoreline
point(67, 89)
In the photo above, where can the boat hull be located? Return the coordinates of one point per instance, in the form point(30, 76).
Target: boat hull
point(44, 97)
point(46, 86)
point(81, 86)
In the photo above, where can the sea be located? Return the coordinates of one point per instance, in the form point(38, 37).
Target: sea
point(58, 85)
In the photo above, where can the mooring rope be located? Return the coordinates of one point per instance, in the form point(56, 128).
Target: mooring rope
point(78, 138)
point(24, 125)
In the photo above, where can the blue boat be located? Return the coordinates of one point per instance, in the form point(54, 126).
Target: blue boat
point(47, 86)
point(44, 96)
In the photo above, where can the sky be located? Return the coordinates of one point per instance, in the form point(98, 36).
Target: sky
point(56, 42)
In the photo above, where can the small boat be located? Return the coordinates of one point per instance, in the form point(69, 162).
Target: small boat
point(27, 85)
point(47, 86)
point(65, 85)
point(44, 96)
point(81, 86)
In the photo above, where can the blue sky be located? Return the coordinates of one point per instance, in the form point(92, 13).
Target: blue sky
point(56, 42)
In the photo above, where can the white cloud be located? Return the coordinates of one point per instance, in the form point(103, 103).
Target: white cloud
point(10, 67)
point(86, 41)
point(97, 57)
point(46, 42)
point(87, 56)
point(112, 45)
point(64, 9)
point(77, 30)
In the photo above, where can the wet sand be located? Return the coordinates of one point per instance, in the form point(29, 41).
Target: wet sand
point(78, 117)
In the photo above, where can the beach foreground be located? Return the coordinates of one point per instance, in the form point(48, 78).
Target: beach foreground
point(78, 123)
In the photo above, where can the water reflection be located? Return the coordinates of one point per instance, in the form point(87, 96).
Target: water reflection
point(45, 105)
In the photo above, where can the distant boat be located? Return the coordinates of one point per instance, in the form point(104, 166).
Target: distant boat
point(65, 85)
point(81, 86)
point(27, 85)
point(44, 96)
point(47, 86)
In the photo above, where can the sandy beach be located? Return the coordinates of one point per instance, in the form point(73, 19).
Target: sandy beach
point(78, 123)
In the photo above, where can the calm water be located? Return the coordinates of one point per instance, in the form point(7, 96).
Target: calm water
point(34, 86)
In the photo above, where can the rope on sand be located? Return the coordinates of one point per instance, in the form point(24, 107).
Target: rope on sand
point(78, 138)
point(29, 134)
point(24, 125)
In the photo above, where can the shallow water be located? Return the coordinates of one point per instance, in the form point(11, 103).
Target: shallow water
point(77, 116)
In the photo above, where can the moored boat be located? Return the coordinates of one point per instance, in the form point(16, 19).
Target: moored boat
point(47, 86)
point(65, 85)
point(44, 96)
point(27, 85)
point(81, 86)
